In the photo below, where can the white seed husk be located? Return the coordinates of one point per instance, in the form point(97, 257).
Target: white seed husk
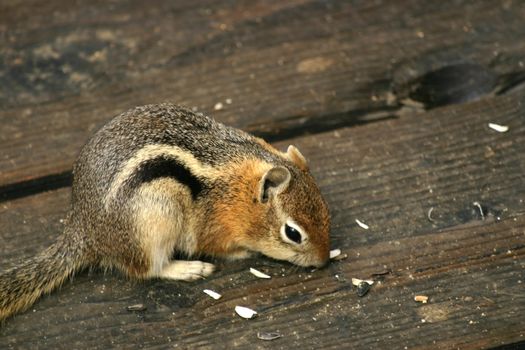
point(268, 335)
point(136, 307)
point(498, 127)
point(258, 273)
point(212, 294)
point(362, 224)
point(357, 281)
point(334, 253)
point(421, 298)
point(245, 312)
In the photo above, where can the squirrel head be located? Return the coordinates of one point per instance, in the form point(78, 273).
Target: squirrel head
point(292, 221)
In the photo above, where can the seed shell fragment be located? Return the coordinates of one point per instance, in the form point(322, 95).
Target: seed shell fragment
point(498, 127)
point(478, 205)
point(212, 294)
point(362, 224)
point(258, 273)
point(356, 281)
point(268, 335)
point(136, 307)
point(421, 298)
point(245, 312)
point(335, 253)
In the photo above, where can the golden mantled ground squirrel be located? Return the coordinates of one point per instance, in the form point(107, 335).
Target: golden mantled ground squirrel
point(159, 179)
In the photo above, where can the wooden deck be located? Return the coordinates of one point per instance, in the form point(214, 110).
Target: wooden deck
point(390, 102)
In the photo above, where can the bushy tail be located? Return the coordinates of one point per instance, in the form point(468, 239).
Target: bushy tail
point(22, 285)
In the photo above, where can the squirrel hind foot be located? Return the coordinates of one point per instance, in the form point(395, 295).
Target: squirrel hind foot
point(186, 270)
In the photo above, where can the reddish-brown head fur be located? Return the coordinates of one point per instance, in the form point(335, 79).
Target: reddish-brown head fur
point(259, 205)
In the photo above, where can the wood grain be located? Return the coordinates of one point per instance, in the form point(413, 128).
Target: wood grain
point(471, 268)
point(289, 68)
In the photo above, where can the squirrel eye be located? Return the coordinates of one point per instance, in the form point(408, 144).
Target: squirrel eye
point(292, 234)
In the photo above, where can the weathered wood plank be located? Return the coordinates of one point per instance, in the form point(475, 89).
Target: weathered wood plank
point(472, 269)
point(29, 225)
point(68, 67)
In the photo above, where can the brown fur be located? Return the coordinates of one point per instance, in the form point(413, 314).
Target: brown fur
point(268, 147)
point(160, 178)
point(233, 214)
point(295, 156)
point(22, 285)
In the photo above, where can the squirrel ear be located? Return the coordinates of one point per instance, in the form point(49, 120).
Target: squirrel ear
point(274, 181)
point(296, 157)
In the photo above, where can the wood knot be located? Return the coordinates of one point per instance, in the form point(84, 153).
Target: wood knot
point(451, 84)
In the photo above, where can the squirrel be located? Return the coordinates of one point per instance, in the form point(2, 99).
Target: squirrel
point(160, 179)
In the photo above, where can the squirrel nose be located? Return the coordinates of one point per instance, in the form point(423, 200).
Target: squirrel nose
point(323, 258)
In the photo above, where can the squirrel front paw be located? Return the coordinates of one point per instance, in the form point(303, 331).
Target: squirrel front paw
point(187, 270)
